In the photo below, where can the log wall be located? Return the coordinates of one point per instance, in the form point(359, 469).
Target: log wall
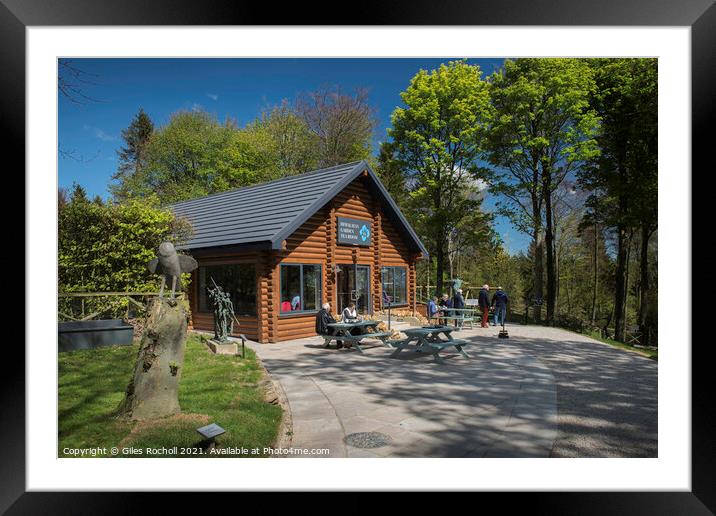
point(315, 243)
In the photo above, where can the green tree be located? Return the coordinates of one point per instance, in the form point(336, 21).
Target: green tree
point(544, 130)
point(390, 172)
point(105, 247)
point(438, 138)
point(132, 155)
point(623, 180)
point(194, 155)
point(285, 139)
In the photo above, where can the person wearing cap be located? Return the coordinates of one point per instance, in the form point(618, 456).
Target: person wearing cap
point(499, 301)
point(483, 301)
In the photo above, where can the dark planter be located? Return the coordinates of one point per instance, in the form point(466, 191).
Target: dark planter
point(93, 334)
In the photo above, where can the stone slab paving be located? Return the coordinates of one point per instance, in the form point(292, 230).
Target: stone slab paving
point(543, 392)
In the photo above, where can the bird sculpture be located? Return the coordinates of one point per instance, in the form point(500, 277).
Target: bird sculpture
point(170, 265)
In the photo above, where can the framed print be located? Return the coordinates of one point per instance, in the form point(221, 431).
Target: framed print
point(425, 249)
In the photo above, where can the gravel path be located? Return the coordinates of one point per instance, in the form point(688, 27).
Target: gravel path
point(606, 398)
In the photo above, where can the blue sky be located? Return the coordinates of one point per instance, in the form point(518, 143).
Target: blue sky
point(236, 88)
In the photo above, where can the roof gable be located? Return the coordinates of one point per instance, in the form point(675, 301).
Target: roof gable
point(270, 212)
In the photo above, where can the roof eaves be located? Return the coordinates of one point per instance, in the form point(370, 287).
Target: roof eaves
point(277, 242)
point(397, 211)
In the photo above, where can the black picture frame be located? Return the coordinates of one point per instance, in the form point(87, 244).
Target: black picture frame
point(700, 15)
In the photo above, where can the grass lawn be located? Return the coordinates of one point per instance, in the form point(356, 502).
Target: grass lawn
point(221, 389)
point(652, 353)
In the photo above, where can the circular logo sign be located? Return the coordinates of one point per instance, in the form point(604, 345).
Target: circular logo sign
point(364, 233)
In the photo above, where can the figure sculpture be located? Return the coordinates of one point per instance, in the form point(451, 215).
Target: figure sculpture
point(223, 312)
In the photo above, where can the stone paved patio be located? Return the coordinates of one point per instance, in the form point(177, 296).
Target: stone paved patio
point(502, 402)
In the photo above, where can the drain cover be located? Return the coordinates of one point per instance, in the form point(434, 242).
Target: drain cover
point(367, 440)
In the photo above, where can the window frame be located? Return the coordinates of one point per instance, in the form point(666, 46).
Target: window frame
point(319, 287)
point(392, 294)
point(227, 264)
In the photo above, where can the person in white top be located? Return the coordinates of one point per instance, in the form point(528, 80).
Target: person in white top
point(349, 313)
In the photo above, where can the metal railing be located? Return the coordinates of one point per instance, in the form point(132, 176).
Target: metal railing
point(85, 306)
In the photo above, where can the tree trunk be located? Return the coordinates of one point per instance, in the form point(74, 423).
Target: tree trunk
point(595, 277)
point(644, 285)
point(549, 243)
point(622, 256)
point(626, 279)
point(439, 258)
point(154, 389)
point(537, 272)
point(619, 284)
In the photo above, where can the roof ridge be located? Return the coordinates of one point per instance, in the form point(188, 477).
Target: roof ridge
point(273, 181)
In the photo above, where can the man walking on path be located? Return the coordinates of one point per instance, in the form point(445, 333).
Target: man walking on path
point(499, 301)
point(483, 301)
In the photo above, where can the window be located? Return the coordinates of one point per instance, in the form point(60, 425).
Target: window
point(300, 288)
point(395, 285)
point(238, 280)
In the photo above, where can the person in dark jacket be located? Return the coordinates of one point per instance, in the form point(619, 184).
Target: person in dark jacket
point(458, 302)
point(499, 301)
point(323, 319)
point(483, 301)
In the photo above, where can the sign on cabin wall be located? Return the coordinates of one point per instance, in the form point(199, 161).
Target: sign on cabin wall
point(354, 231)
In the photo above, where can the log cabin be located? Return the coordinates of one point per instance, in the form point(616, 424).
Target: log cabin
point(283, 248)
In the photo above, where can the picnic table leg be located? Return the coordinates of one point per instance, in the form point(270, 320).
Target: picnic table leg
point(347, 333)
point(462, 351)
point(459, 347)
point(436, 356)
point(400, 346)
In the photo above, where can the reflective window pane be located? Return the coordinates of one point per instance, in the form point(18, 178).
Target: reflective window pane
point(238, 280)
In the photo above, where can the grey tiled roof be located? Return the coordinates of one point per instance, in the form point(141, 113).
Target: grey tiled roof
point(269, 212)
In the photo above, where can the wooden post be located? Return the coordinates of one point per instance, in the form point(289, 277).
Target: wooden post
point(331, 255)
point(377, 272)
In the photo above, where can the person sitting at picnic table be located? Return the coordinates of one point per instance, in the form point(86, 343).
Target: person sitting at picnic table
point(483, 301)
point(458, 302)
point(499, 301)
point(445, 303)
point(432, 309)
point(323, 319)
point(349, 314)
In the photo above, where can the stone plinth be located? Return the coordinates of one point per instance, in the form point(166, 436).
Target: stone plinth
point(230, 347)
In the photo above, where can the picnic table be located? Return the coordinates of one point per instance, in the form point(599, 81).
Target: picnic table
point(344, 331)
point(428, 339)
point(462, 315)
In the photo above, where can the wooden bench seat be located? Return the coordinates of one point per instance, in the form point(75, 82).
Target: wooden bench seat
point(438, 346)
point(357, 339)
point(447, 343)
point(379, 335)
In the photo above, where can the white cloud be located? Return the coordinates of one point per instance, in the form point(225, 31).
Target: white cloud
point(212, 96)
point(100, 134)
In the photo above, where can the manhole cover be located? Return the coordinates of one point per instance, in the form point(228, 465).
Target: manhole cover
point(367, 440)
